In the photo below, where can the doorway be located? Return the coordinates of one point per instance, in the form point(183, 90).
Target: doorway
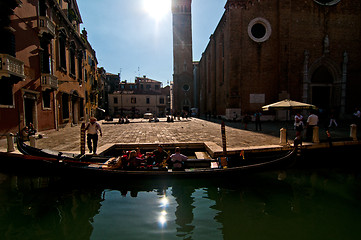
point(321, 96)
point(29, 111)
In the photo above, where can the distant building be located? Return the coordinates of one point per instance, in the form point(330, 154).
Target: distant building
point(142, 96)
point(111, 85)
point(102, 96)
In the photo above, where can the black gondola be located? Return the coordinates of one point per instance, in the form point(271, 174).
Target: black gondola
point(45, 162)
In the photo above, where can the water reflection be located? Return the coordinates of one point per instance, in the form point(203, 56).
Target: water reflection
point(283, 205)
point(30, 209)
point(184, 211)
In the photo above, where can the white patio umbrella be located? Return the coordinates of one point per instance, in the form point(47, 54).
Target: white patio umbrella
point(288, 104)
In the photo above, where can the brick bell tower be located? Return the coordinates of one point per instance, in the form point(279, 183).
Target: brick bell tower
point(183, 84)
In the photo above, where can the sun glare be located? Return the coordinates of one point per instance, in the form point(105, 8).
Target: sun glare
point(157, 9)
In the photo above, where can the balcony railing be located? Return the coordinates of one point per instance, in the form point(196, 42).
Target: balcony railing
point(49, 81)
point(46, 25)
point(9, 65)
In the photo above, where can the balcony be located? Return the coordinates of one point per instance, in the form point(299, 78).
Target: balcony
point(10, 66)
point(49, 81)
point(46, 26)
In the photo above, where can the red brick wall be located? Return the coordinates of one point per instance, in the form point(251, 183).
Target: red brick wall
point(277, 64)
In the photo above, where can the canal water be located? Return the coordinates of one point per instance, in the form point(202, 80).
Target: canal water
point(293, 204)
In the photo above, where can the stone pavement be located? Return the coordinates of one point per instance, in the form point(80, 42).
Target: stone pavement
point(192, 130)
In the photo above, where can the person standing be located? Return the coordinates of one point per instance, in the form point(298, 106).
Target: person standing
point(298, 124)
point(92, 129)
point(246, 119)
point(257, 116)
point(357, 116)
point(312, 121)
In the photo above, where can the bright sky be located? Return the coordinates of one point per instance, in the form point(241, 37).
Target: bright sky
point(134, 37)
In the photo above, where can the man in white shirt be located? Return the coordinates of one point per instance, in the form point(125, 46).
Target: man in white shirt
point(312, 121)
point(92, 128)
point(177, 159)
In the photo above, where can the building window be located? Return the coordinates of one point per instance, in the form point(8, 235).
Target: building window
point(141, 86)
point(133, 100)
point(148, 87)
point(6, 92)
point(161, 100)
point(62, 51)
point(44, 56)
point(72, 58)
point(65, 105)
point(80, 65)
point(42, 8)
point(156, 87)
point(147, 100)
point(186, 87)
point(46, 99)
point(115, 100)
point(259, 30)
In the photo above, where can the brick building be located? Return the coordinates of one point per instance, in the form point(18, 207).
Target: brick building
point(265, 51)
point(43, 55)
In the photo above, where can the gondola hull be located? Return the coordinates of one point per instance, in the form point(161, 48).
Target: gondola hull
point(52, 166)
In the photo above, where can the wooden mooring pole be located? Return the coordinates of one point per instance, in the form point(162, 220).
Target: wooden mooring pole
point(224, 140)
point(224, 143)
point(82, 139)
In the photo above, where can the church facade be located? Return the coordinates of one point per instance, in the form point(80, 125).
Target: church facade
point(265, 51)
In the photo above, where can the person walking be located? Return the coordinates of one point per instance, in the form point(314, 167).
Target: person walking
point(92, 129)
point(332, 119)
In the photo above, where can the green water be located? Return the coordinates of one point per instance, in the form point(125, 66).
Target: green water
point(307, 204)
